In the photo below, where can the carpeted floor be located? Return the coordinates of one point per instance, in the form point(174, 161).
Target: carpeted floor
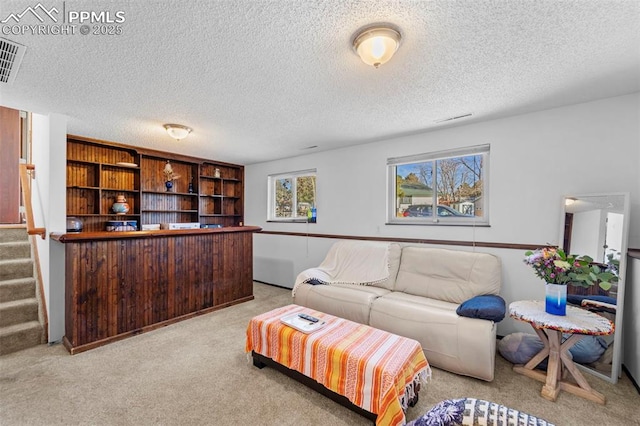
point(196, 373)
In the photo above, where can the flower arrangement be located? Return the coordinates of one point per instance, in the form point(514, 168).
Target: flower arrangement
point(169, 175)
point(554, 266)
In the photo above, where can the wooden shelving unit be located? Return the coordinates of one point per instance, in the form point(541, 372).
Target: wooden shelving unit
point(95, 179)
point(176, 205)
point(221, 200)
point(98, 171)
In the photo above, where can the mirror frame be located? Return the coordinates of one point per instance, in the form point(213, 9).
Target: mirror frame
point(616, 362)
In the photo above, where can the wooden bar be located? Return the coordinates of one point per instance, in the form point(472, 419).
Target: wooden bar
point(123, 283)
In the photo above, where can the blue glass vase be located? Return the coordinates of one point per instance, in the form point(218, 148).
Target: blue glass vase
point(555, 299)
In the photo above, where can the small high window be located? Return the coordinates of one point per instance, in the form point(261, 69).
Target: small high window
point(292, 196)
point(440, 188)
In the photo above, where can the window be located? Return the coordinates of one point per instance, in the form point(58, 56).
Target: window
point(455, 182)
point(292, 196)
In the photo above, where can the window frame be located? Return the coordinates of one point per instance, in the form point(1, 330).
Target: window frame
point(271, 202)
point(394, 162)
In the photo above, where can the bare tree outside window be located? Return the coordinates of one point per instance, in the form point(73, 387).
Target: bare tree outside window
point(440, 188)
point(284, 197)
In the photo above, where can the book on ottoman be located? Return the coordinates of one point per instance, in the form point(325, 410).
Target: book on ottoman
point(302, 324)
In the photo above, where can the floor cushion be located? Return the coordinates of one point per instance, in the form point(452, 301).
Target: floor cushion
point(519, 348)
point(475, 412)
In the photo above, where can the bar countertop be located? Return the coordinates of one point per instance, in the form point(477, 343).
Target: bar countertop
point(71, 237)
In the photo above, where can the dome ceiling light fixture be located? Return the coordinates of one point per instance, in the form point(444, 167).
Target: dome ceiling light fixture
point(376, 44)
point(177, 131)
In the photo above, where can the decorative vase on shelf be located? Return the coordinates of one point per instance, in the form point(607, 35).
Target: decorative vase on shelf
point(555, 299)
point(120, 206)
point(169, 185)
point(216, 173)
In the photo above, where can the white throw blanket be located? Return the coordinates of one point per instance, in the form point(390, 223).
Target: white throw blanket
point(350, 262)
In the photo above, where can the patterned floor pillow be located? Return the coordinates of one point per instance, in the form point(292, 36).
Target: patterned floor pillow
point(475, 412)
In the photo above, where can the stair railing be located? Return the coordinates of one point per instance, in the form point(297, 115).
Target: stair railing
point(26, 171)
point(29, 171)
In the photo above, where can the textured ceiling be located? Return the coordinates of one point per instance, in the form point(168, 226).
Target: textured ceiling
point(261, 80)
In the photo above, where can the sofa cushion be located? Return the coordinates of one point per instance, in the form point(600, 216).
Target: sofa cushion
point(352, 302)
point(452, 276)
point(395, 253)
point(488, 306)
point(450, 342)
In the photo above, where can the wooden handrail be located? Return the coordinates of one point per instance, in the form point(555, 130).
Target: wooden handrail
point(27, 170)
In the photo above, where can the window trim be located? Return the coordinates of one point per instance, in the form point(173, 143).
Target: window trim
point(271, 212)
point(393, 162)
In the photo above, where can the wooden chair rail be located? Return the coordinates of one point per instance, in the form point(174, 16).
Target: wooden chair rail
point(26, 171)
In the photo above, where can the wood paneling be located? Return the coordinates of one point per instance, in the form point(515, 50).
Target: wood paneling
point(119, 287)
point(9, 160)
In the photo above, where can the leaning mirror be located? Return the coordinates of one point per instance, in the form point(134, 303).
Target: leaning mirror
point(597, 226)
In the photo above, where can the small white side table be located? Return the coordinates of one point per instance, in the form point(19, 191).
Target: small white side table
point(579, 323)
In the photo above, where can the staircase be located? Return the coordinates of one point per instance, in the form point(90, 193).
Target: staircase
point(20, 327)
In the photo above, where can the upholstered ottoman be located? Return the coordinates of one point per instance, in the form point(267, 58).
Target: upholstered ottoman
point(373, 372)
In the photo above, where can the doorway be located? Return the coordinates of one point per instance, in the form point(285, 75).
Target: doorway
point(14, 149)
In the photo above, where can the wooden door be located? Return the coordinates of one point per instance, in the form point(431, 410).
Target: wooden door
point(9, 170)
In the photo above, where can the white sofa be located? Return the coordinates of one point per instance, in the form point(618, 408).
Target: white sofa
point(419, 299)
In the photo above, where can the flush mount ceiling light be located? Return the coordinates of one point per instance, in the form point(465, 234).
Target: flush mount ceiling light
point(177, 131)
point(376, 44)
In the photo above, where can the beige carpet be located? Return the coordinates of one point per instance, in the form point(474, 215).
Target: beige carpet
point(196, 373)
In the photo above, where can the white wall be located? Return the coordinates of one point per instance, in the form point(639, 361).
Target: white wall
point(49, 134)
point(536, 159)
point(584, 239)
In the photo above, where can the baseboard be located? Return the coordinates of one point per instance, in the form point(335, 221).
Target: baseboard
point(628, 373)
point(272, 285)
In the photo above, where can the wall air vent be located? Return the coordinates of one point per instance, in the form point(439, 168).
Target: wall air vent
point(11, 55)
point(452, 118)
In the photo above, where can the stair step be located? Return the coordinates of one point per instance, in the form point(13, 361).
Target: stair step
point(20, 336)
point(15, 250)
point(18, 311)
point(13, 234)
point(21, 288)
point(16, 268)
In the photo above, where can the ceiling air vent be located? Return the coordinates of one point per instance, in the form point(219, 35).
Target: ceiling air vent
point(11, 55)
point(452, 118)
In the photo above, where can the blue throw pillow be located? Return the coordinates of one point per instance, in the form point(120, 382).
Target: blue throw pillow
point(488, 307)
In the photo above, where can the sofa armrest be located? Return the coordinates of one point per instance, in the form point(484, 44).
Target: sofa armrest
point(488, 307)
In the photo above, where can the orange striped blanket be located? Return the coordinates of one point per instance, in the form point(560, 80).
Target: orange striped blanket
point(374, 369)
